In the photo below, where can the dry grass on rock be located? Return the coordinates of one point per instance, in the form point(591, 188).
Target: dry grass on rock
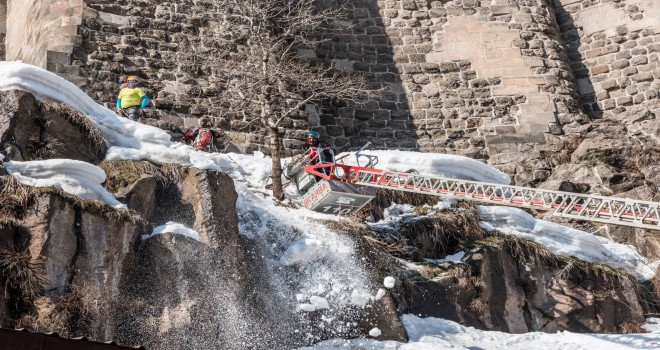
point(385, 198)
point(69, 314)
point(562, 149)
point(348, 227)
point(630, 327)
point(23, 274)
point(528, 252)
point(440, 234)
point(649, 293)
point(16, 197)
point(646, 156)
point(95, 139)
point(122, 173)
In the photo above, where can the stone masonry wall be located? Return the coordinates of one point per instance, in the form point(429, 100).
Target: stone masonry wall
point(614, 50)
point(3, 27)
point(169, 46)
point(482, 79)
point(44, 33)
point(486, 79)
point(464, 77)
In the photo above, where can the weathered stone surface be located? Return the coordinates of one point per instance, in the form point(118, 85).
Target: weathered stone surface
point(158, 288)
point(82, 249)
point(599, 149)
point(383, 315)
point(30, 130)
point(141, 195)
point(174, 283)
point(113, 41)
point(508, 294)
point(615, 47)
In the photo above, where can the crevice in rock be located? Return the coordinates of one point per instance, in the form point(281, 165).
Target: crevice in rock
point(80, 244)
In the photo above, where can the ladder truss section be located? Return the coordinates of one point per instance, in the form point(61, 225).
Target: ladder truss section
point(621, 211)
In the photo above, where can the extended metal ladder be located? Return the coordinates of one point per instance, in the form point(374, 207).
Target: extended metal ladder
point(619, 211)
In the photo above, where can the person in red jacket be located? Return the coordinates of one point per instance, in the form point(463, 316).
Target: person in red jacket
point(202, 139)
point(317, 150)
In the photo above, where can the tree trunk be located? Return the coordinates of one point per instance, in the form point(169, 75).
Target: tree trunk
point(276, 174)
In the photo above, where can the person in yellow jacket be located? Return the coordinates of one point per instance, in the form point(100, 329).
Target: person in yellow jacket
point(131, 100)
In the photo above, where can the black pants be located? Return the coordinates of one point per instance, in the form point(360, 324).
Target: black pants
point(132, 112)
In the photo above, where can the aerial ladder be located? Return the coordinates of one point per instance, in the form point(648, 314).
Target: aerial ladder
point(341, 189)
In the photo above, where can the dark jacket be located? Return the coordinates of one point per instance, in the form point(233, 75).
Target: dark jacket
point(327, 153)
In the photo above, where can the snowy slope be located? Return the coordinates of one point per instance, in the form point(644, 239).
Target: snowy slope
point(567, 241)
point(561, 240)
point(434, 334)
point(313, 266)
point(433, 164)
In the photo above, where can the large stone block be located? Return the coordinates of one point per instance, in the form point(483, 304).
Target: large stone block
point(537, 118)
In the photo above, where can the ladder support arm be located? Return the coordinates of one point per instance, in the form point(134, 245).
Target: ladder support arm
point(620, 211)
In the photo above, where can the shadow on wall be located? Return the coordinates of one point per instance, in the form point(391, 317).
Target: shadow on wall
point(385, 120)
point(571, 38)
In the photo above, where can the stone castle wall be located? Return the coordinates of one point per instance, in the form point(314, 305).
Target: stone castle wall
point(3, 27)
point(460, 77)
point(44, 33)
point(482, 79)
point(493, 80)
point(614, 50)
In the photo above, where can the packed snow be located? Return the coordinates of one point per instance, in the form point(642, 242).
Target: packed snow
point(389, 282)
point(434, 164)
point(128, 139)
point(567, 241)
point(433, 333)
point(652, 325)
point(453, 258)
point(72, 176)
point(313, 267)
point(375, 332)
point(319, 302)
point(561, 240)
point(175, 228)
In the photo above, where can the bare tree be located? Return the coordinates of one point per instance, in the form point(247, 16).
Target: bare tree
point(265, 72)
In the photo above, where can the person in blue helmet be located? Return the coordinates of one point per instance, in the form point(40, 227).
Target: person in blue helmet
point(317, 150)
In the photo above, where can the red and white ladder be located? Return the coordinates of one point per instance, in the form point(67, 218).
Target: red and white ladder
point(611, 210)
point(620, 211)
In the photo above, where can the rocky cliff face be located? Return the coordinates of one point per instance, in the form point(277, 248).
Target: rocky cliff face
point(518, 287)
point(502, 282)
point(87, 269)
point(31, 130)
point(503, 80)
point(105, 280)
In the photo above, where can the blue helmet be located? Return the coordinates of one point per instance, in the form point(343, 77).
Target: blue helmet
point(314, 134)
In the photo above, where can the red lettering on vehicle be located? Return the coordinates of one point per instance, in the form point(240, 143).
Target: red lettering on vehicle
point(315, 194)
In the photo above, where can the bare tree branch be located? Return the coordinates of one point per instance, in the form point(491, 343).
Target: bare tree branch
point(258, 45)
